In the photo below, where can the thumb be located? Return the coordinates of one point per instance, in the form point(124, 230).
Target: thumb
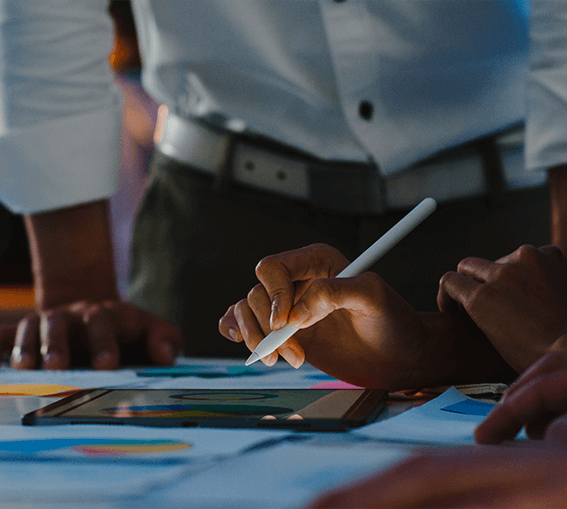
point(7, 336)
point(361, 294)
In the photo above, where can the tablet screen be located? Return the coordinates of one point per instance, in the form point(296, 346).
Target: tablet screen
point(293, 408)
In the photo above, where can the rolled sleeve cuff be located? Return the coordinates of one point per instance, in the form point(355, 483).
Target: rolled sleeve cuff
point(61, 163)
point(546, 136)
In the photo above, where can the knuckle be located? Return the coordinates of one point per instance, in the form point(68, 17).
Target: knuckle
point(477, 296)
point(527, 254)
point(327, 259)
point(370, 284)
point(255, 294)
point(484, 293)
point(49, 314)
point(30, 320)
point(240, 307)
point(95, 312)
point(54, 319)
point(446, 279)
point(508, 272)
point(503, 271)
point(79, 306)
point(265, 265)
point(321, 250)
point(229, 313)
point(372, 278)
point(465, 262)
point(322, 295)
point(320, 288)
point(552, 251)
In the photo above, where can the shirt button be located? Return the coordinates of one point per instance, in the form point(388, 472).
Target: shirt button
point(366, 110)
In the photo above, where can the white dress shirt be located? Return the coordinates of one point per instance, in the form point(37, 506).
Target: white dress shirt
point(59, 111)
point(395, 80)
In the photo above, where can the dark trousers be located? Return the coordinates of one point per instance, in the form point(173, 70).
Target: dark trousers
point(194, 250)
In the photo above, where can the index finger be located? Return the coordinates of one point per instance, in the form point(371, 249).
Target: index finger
point(102, 334)
point(541, 397)
point(7, 338)
point(55, 330)
point(279, 273)
point(455, 288)
point(163, 339)
point(549, 363)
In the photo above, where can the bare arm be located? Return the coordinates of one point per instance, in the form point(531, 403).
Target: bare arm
point(77, 306)
point(71, 253)
point(558, 195)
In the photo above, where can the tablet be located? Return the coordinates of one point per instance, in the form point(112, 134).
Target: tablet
point(299, 409)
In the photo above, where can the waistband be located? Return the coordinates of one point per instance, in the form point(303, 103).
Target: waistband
point(488, 167)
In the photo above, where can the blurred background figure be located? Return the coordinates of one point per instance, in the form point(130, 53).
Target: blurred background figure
point(272, 139)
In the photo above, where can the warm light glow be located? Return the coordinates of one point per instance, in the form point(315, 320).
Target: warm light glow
point(160, 123)
point(120, 54)
point(17, 296)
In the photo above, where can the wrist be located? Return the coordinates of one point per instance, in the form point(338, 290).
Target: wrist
point(71, 252)
point(93, 284)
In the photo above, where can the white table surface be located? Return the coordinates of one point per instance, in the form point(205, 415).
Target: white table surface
point(282, 470)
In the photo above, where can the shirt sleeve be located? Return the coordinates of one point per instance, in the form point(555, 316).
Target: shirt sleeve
point(546, 121)
point(60, 112)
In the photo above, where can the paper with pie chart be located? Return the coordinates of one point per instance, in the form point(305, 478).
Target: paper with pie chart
point(129, 443)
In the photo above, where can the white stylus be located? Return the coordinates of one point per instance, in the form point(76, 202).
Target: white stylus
point(277, 338)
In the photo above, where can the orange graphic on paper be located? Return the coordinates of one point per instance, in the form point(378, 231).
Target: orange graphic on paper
point(122, 448)
point(37, 390)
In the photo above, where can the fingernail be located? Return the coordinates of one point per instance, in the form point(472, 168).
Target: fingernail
point(233, 333)
point(271, 359)
point(299, 315)
point(53, 361)
point(16, 354)
point(20, 360)
point(275, 315)
point(293, 357)
point(104, 361)
point(167, 352)
point(275, 307)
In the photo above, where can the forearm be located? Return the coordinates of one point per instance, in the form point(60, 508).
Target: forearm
point(558, 197)
point(71, 252)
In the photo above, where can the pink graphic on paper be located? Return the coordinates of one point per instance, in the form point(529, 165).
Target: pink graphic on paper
point(335, 385)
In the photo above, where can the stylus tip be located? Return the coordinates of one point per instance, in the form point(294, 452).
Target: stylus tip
point(252, 359)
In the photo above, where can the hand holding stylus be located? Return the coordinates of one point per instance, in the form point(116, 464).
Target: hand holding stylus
point(358, 328)
point(277, 338)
